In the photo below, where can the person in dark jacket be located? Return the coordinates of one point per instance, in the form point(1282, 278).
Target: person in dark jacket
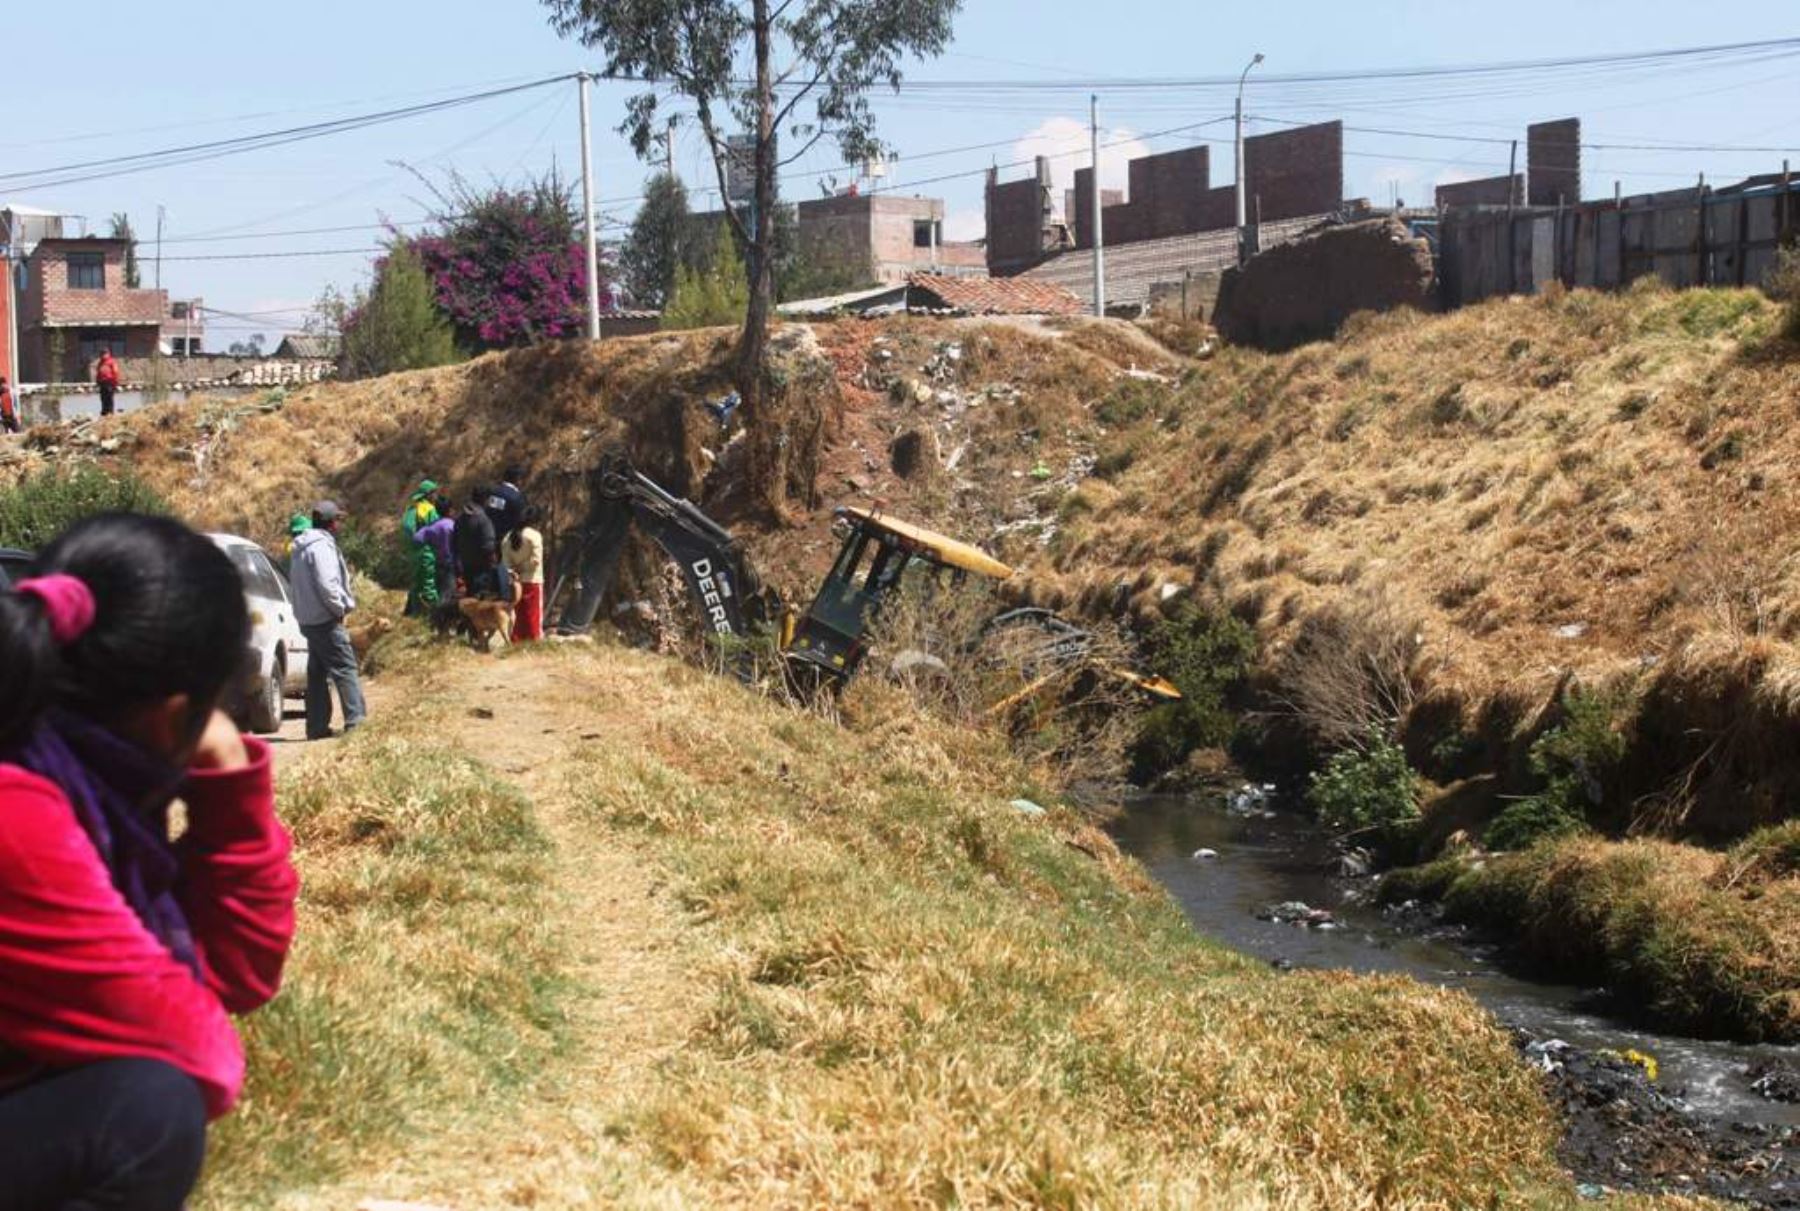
point(477, 549)
point(505, 504)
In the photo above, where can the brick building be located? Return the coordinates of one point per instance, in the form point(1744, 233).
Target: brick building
point(73, 303)
point(184, 327)
point(883, 237)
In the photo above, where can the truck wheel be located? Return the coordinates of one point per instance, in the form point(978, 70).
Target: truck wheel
point(266, 708)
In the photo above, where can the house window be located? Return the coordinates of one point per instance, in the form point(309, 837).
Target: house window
point(93, 340)
point(922, 233)
point(87, 271)
point(178, 310)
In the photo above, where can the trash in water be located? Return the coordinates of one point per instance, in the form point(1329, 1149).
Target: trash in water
point(1298, 912)
point(1251, 799)
point(1201, 855)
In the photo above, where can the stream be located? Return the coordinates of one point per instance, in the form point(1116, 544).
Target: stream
point(1267, 857)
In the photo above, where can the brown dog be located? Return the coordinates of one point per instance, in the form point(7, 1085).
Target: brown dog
point(363, 638)
point(487, 619)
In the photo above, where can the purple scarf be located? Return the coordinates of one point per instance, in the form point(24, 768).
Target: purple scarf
point(121, 795)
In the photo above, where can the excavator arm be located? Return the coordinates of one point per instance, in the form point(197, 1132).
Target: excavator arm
point(731, 601)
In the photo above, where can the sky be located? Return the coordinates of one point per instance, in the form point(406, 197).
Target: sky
point(130, 78)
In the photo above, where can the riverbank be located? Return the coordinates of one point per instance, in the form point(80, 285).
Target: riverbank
point(1681, 1115)
point(1688, 939)
point(834, 967)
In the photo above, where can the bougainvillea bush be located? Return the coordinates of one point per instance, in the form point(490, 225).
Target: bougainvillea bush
point(506, 264)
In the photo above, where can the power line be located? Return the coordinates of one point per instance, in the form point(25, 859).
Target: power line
point(196, 152)
point(1695, 148)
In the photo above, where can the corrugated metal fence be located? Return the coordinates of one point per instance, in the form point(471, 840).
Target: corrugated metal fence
point(1687, 237)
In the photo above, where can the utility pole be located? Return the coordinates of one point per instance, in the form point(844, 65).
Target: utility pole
point(159, 227)
point(1099, 239)
point(1243, 240)
point(587, 212)
point(669, 148)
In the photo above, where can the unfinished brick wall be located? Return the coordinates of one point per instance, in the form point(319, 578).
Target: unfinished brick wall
point(1488, 191)
point(1553, 162)
point(1078, 205)
point(1294, 173)
point(1016, 218)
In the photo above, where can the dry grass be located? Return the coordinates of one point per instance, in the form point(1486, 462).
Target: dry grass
point(1696, 941)
point(425, 971)
point(890, 989)
point(1578, 483)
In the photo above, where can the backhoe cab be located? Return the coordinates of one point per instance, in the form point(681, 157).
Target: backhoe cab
point(831, 638)
point(829, 641)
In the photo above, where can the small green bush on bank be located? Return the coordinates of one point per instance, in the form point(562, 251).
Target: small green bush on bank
point(1206, 652)
point(1368, 788)
point(41, 506)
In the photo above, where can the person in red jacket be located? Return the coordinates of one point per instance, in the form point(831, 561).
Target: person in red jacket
point(106, 374)
point(9, 411)
point(123, 953)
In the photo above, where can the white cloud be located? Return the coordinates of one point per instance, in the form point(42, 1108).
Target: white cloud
point(962, 224)
point(1066, 141)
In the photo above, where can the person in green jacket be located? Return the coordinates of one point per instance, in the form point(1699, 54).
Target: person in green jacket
point(420, 511)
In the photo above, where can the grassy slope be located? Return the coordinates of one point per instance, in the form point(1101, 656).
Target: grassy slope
point(895, 989)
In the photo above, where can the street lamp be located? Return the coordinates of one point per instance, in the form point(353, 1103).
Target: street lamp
point(1242, 218)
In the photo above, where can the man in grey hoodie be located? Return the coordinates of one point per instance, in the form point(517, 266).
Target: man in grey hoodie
point(321, 584)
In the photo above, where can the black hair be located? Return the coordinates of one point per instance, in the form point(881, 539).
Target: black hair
point(528, 518)
point(169, 619)
point(479, 494)
point(513, 473)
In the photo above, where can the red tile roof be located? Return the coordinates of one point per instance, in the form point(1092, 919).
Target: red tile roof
point(991, 296)
point(121, 307)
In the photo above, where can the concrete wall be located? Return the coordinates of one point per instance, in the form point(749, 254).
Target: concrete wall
point(875, 236)
point(1686, 237)
point(1553, 162)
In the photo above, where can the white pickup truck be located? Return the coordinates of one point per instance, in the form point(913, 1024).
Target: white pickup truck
point(275, 666)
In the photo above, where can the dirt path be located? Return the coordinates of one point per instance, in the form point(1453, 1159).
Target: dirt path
point(556, 1146)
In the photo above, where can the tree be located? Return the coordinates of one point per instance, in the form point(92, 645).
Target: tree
point(824, 54)
point(247, 348)
point(712, 294)
point(507, 266)
point(121, 230)
point(663, 240)
point(395, 324)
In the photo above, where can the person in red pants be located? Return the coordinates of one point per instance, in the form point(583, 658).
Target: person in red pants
point(522, 552)
point(123, 954)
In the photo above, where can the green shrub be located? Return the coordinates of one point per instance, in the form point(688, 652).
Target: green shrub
point(1574, 759)
point(1367, 788)
point(41, 506)
point(711, 296)
point(1130, 401)
point(1206, 653)
point(379, 553)
point(1529, 821)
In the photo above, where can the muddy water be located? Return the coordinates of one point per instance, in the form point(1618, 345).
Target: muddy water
point(1269, 860)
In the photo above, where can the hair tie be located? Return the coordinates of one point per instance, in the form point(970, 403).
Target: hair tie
point(68, 602)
